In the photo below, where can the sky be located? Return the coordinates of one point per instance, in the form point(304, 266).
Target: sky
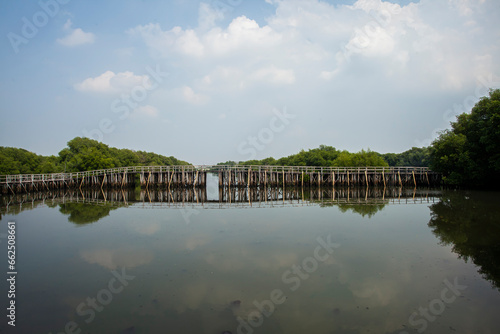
point(217, 80)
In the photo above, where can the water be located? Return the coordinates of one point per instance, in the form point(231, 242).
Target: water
point(425, 263)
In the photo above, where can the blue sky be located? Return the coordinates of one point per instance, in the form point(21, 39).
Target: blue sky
point(209, 81)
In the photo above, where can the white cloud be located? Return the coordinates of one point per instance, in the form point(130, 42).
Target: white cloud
point(307, 37)
point(109, 82)
point(275, 75)
point(329, 75)
point(190, 96)
point(165, 42)
point(241, 34)
point(321, 58)
point(147, 111)
point(75, 36)
point(208, 16)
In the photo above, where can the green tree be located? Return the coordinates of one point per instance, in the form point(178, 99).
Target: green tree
point(469, 153)
point(81, 154)
point(415, 157)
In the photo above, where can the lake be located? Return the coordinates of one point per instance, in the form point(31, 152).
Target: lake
point(309, 261)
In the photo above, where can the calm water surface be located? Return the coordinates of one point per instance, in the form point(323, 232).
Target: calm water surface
point(427, 266)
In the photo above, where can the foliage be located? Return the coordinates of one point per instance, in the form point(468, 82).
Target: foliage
point(84, 213)
point(81, 154)
point(20, 161)
point(360, 159)
point(469, 223)
point(324, 156)
point(227, 163)
point(469, 153)
point(415, 157)
point(363, 209)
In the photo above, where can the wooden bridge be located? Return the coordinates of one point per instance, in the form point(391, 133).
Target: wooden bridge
point(228, 176)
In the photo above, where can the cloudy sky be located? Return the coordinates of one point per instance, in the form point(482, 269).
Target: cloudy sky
point(216, 80)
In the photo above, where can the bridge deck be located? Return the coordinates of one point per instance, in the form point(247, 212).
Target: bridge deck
point(187, 176)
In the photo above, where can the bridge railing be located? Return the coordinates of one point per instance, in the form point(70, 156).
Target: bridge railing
point(28, 178)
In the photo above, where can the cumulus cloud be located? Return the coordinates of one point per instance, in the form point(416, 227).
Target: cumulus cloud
point(320, 57)
point(75, 36)
point(109, 82)
point(241, 34)
point(190, 96)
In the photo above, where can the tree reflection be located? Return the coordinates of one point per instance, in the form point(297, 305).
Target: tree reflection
point(470, 222)
point(363, 209)
point(84, 213)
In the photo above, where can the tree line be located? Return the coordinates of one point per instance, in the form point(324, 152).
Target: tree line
point(468, 154)
point(329, 156)
point(81, 154)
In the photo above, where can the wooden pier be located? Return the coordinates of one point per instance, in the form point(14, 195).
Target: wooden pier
point(228, 176)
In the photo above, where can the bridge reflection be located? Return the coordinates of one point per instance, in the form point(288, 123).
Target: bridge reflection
point(224, 197)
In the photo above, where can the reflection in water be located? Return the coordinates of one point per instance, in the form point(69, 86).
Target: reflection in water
point(117, 258)
point(202, 276)
point(88, 206)
point(85, 213)
point(362, 209)
point(469, 221)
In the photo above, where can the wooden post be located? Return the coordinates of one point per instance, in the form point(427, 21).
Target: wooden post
point(103, 179)
point(248, 179)
point(123, 179)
